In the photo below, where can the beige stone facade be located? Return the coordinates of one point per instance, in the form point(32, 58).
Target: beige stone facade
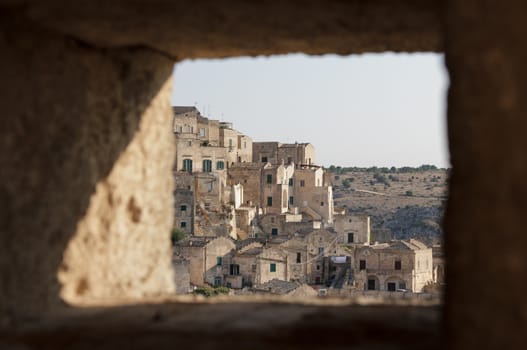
point(276, 153)
point(249, 175)
point(353, 228)
point(206, 255)
point(312, 195)
point(397, 265)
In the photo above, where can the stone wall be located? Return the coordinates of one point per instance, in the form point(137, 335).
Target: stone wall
point(358, 225)
point(74, 90)
point(86, 148)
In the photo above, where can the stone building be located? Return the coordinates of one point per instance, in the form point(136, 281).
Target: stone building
point(353, 228)
point(249, 175)
point(276, 152)
point(206, 255)
point(272, 263)
point(396, 265)
point(242, 266)
point(298, 153)
point(205, 202)
point(312, 195)
point(181, 274)
point(276, 188)
point(238, 146)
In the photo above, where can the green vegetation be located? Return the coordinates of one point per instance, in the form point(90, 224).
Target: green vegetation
point(209, 291)
point(382, 170)
point(380, 178)
point(177, 235)
point(347, 183)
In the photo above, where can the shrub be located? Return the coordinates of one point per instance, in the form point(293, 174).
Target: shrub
point(177, 235)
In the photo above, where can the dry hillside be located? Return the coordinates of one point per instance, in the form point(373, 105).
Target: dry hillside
point(402, 204)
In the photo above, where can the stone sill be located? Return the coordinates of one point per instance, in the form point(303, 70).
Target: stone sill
point(248, 323)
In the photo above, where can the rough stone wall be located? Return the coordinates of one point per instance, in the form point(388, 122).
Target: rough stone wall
point(245, 149)
point(218, 247)
point(186, 125)
point(197, 256)
point(52, 180)
point(268, 150)
point(297, 271)
point(359, 225)
point(250, 177)
point(184, 219)
point(181, 275)
point(298, 153)
point(265, 259)
point(86, 146)
point(487, 105)
point(192, 148)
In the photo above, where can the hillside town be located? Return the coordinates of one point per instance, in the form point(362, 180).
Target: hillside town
point(259, 218)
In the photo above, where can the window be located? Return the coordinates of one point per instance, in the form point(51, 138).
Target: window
point(234, 269)
point(298, 258)
point(272, 268)
point(269, 178)
point(272, 220)
point(289, 160)
point(320, 250)
point(302, 183)
point(183, 224)
point(291, 200)
point(397, 264)
point(402, 285)
point(391, 286)
point(253, 268)
point(202, 132)
point(321, 204)
point(362, 265)
point(264, 159)
point(189, 143)
point(351, 237)
point(230, 145)
point(291, 182)
point(207, 166)
point(187, 165)
point(318, 267)
point(269, 201)
point(371, 284)
point(274, 231)
point(209, 187)
point(183, 208)
point(219, 261)
point(244, 144)
point(217, 281)
point(220, 165)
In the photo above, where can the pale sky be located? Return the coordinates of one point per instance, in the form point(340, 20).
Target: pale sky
point(361, 110)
